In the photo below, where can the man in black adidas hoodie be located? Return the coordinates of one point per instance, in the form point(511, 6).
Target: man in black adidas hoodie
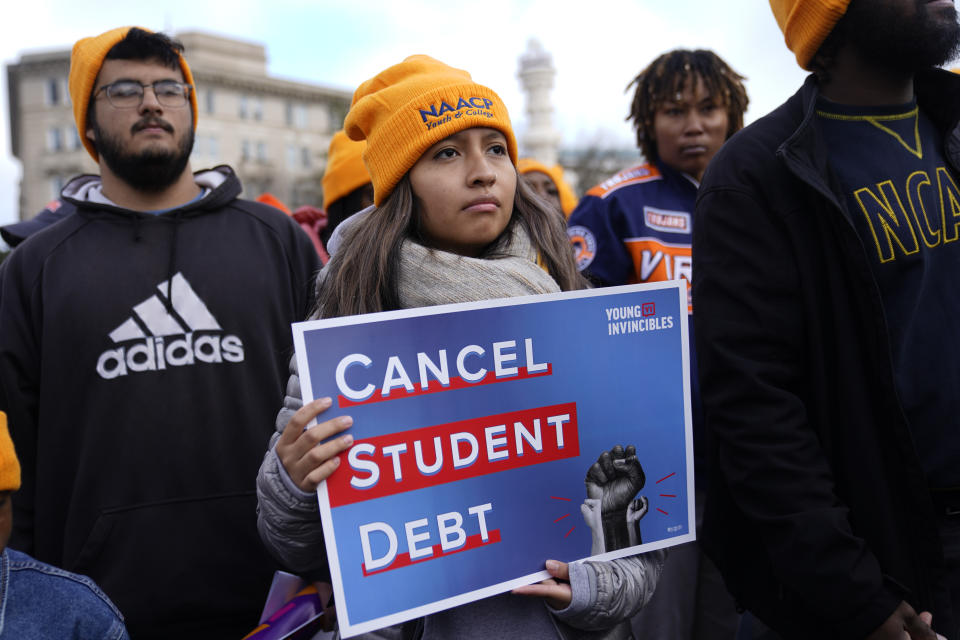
point(143, 351)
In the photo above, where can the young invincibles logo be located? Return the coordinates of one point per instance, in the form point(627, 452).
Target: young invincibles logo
point(171, 328)
point(638, 318)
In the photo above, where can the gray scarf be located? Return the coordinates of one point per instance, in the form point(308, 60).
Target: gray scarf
point(429, 277)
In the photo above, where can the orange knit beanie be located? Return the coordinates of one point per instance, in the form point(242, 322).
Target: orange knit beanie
point(568, 199)
point(85, 62)
point(9, 465)
point(404, 110)
point(268, 198)
point(345, 170)
point(806, 24)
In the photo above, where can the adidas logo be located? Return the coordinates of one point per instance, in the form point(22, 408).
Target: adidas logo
point(175, 311)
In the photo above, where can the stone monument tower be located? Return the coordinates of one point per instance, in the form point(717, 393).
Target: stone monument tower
point(536, 73)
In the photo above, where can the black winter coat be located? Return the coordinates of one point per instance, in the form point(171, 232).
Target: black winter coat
point(819, 516)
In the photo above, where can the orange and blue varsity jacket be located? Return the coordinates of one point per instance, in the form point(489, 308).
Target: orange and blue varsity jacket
point(636, 227)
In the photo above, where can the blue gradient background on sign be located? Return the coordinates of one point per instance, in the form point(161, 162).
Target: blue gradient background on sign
point(628, 389)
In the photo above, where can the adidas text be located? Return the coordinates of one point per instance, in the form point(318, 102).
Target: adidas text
point(153, 354)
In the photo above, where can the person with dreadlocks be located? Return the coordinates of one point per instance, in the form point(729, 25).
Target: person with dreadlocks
point(637, 227)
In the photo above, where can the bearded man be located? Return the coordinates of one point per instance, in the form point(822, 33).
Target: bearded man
point(143, 349)
point(826, 260)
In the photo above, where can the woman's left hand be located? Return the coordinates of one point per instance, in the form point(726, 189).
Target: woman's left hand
point(555, 590)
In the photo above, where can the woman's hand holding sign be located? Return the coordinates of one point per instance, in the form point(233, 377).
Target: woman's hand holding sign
point(612, 513)
point(555, 590)
point(308, 463)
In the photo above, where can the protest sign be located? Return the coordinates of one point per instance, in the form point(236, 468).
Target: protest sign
point(477, 427)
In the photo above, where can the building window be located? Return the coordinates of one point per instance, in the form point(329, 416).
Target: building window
point(256, 186)
point(336, 113)
point(291, 157)
point(321, 119)
point(206, 149)
point(305, 159)
point(261, 152)
point(209, 101)
point(54, 139)
point(245, 150)
point(257, 109)
point(288, 113)
point(56, 186)
point(296, 115)
point(73, 136)
point(244, 109)
point(53, 91)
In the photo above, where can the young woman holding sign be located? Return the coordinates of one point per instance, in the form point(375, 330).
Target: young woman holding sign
point(451, 223)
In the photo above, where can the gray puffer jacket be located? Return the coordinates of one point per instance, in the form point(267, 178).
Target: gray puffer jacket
point(606, 594)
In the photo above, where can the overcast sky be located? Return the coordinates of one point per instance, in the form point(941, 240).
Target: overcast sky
point(597, 47)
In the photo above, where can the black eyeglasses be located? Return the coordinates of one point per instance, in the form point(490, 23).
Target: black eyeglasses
point(127, 94)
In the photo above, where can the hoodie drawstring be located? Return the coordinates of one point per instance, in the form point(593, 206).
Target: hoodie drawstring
point(172, 261)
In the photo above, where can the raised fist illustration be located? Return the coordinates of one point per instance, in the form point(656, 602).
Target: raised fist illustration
point(613, 482)
point(615, 478)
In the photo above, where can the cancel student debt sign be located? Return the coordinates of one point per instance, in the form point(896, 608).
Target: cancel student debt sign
point(478, 428)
